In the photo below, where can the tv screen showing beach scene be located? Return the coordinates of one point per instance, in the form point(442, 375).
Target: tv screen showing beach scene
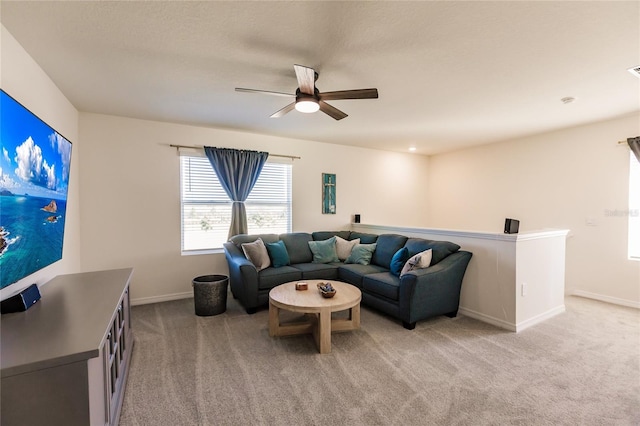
point(34, 181)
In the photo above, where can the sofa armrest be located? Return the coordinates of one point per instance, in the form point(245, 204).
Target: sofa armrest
point(243, 276)
point(435, 290)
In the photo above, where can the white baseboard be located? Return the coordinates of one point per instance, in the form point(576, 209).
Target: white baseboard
point(508, 325)
point(488, 319)
point(164, 298)
point(608, 299)
point(539, 318)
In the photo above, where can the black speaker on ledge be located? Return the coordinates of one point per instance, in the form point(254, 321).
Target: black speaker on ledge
point(21, 301)
point(356, 218)
point(511, 226)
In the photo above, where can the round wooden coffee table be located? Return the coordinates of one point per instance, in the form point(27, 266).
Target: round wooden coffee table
point(318, 308)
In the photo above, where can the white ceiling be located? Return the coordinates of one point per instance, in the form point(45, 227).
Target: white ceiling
point(449, 74)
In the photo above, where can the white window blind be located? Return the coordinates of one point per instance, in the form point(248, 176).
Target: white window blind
point(634, 207)
point(206, 208)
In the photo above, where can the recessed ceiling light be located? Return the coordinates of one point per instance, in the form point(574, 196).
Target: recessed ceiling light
point(635, 71)
point(567, 99)
point(412, 148)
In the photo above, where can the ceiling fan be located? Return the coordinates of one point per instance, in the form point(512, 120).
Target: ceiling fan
point(308, 97)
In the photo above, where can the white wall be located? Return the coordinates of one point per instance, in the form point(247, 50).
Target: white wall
point(25, 81)
point(131, 196)
point(562, 179)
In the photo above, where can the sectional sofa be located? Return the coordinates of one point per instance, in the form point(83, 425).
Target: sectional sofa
point(412, 294)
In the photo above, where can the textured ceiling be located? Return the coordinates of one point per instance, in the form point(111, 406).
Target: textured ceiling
point(449, 74)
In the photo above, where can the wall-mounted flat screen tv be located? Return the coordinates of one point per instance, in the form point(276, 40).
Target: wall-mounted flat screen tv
point(34, 181)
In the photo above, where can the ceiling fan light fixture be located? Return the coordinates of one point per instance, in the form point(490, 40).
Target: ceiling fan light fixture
point(307, 105)
point(308, 97)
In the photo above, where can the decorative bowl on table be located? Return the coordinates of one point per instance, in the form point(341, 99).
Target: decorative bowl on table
point(326, 289)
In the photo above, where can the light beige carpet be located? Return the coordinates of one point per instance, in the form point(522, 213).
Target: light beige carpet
point(578, 368)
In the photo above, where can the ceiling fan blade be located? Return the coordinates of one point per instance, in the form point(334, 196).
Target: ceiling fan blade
point(331, 111)
point(350, 94)
point(306, 79)
point(266, 92)
point(284, 110)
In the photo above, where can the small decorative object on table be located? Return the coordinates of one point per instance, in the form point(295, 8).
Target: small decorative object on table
point(301, 286)
point(326, 289)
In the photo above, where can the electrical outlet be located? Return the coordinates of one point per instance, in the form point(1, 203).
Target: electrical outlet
point(524, 289)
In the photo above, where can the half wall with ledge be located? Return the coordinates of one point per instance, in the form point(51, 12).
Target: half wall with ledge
point(513, 281)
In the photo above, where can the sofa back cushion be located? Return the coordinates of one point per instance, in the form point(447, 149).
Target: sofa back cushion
point(238, 240)
point(364, 237)
point(297, 244)
point(325, 235)
point(387, 246)
point(440, 249)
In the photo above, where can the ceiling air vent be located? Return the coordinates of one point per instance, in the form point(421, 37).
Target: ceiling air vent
point(635, 71)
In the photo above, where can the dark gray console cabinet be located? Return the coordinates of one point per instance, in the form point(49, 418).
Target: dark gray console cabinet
point(65, 360)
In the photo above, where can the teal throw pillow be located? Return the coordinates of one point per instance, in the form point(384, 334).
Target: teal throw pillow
point(398, 260)
point(278, 254)
point(324, 251)
point(361, 254)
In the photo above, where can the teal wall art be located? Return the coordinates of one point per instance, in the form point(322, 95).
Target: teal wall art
point(328, 193)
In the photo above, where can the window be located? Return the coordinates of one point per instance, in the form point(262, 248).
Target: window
point(206, 208)
point(634, 207)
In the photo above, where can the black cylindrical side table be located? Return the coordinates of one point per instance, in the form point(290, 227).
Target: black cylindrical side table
point(210, 294)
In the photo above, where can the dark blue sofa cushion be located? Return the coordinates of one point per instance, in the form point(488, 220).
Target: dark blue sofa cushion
point(271, 277)
point(364, 237)
point(383, 284)
point(352, 273)
point(440, 249)
point(238, 240)
point(388, 245)
point(298, 247)
point(325, 235)
point(318, 271)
